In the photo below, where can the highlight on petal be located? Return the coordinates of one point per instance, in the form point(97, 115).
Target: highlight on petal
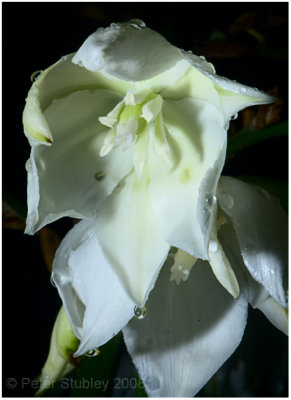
point(182, 196)
point(260, 224)
point(130, 238)
point(251, 290)
point(123, 50)
point(187, 334)
point(85, 282)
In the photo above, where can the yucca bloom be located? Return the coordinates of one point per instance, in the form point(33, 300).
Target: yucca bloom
point(129, 135)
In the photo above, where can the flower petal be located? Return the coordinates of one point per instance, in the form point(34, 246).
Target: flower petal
point(233, 96)
point(188, 333)
point(123, 50)
point(275, 313)
point(69, 178)
point(96, 303)
point(251, 290)
point(222, 268)
point(129, 236)
point(182, 196)
point(261, 228)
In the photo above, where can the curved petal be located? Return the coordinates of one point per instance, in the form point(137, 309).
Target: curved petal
point(275, 313)
point(183, 196)
point(261, 228)
point(129, 236)
point(233, 95)
point(188, 333)
point(69, 178)
point(251, 290)
point(123, 50)
point(96, 303)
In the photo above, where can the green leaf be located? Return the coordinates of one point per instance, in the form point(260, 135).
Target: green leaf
point(140, 390)
point(247, 137)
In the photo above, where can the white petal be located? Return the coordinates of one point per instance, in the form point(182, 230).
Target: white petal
point(96, 303)
point(222, 268)
point(275, 313)
point(124, 50)
point(130, 238)
point(182, 197)
point(70, 177)
point(251, 290)
point(261, 228)
point(233, 95)
point(188, 333)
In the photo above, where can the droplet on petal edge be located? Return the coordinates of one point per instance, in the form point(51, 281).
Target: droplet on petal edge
point(35, 75)
point(93, 353)
point(53, 282)
point(226, 200)
point(140, 313)
point(137, 23)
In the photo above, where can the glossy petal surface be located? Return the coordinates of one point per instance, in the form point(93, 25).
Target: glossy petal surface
point(187, 334)
point(260, 224)
point(97, 305)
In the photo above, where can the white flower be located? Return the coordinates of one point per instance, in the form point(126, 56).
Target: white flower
point(129, 134)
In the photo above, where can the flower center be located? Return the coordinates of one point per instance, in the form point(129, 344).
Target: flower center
point(131, 122)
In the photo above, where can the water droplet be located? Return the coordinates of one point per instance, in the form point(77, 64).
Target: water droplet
point(152, 383)
point(264, 193)
point(234, 116)
point(209, 199)
point(137, 23)
point(140, 313)
point(213, 246)
point(35, 75)
point(226, 200)
point(99, 176)
point(92, 353)
point(28, 165)
point(53, 282)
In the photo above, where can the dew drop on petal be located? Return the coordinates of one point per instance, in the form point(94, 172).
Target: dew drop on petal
point(264, 193)
point(99, 176)
point(92, 353)
point(35, 75)
point(137, 23)
point(152, 383)
point(226, 200)
point(53, 282)
point(28, 165)
point(140, 313)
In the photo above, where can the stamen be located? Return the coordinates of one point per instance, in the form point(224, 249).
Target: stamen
point(129, 99)
point(181, 269)
point(108, 121)
point(152, 108)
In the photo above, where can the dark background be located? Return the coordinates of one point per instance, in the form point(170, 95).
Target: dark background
point(251, 50)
